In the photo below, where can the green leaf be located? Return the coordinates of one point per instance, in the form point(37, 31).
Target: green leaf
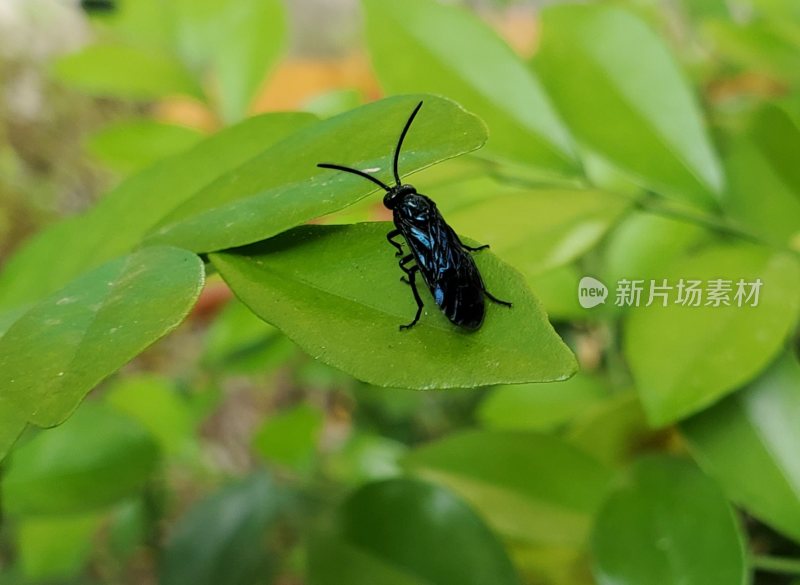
point(557, 290)
point(290, 438)
point(239, 41)
point(221, 539)
point(143, 23)
point(365, 457)
point(333, 102)
point(95, 459)
point(534, 230)
point(642, 115)
point(404, 532)
point(540, 407)
point(125, 72)
point(335, 291)
point(644, 244)
point(684, 358)
point(55, 548)
point(757, 45)
point(764, 189)
point(238, 341)
point(668, 524)
point(614, 430)
point(66, 344)
point(155, 403)
point(282, 187)
point(551, 498)
point(133, 144)
point(422, 45)
point(749, 442)
point(122, 218)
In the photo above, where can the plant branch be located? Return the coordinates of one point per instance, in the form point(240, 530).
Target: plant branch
point(783, 565)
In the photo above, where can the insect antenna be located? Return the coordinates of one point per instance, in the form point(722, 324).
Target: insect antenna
point(378, 182)
point(400, 142)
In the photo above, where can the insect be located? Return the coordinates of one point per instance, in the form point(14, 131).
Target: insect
point(436, 251)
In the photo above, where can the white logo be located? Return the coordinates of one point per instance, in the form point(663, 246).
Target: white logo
point(591, 292)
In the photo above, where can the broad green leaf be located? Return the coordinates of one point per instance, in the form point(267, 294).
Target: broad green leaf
point(756, 45)
point(122, 218)
point(238, 341)
point(422, 45)
point(668, 524)
point(336, 292)
point(95, 459)
point(282, 187)
point(557, 289)
point(333, 102)
point(290, 438)
point(529, 486)
point(540, 407)
point(614, 431)
point(239, 41)
point(405, 532)
point(156, 404)
point(133, 144)
point(764, 191)
point(365, 457)
point(640, 114)
point(66, 344)
point(221, 540)
point(748, 442)
point(535, 230)
point(644, 244)
point(124, 71)
point(143, 23)
point(55, 549)
point(684, 358)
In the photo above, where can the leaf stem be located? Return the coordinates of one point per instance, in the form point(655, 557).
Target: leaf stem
point(783, 565)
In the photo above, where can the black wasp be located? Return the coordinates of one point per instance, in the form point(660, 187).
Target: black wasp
point(436, 250)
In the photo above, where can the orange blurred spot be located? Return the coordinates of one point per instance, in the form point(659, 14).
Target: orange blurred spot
point(296, 80)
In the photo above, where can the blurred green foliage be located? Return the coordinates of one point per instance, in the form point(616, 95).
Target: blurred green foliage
point(644, 139)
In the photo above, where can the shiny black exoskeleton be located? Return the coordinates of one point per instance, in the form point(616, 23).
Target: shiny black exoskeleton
point(437, 253)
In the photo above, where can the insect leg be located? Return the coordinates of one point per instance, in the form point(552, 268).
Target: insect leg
point(412, 280)
point(495, 299)
point(478, 249)
point(405, 260)
point(390, 238)
point(471, 248)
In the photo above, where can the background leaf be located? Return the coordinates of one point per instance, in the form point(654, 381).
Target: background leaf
point(282, 187)
point(156, 404)
point(535, 230)
point(93, 460)
point(239, 41)
point(678, 522)
point(642, 115)
point(764, 192)
point(290, 438)
point(53, 548)
point(550, 498)
point(404, 532)
point(133, 144)
point(221, 539)
point(335, 291)
point(712, 350)
point(748, 442)
point(540, 407)
point(86, 241)
point(465, 60)
point(65, 345)
point(126, 72)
